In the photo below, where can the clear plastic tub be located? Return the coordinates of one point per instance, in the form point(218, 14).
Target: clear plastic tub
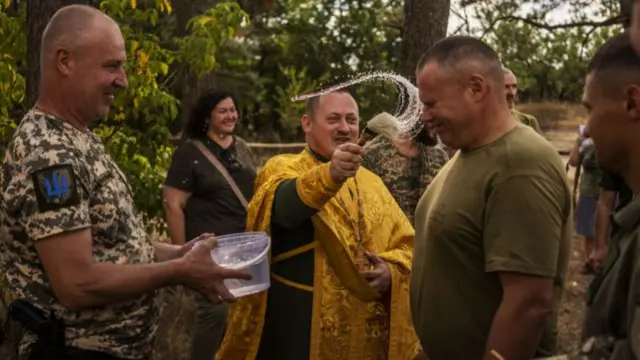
point(245, 251)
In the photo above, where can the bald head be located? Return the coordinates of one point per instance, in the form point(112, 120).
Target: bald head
point(464, 54)
point(69, 28)
point(508, 72)
point(82, 63)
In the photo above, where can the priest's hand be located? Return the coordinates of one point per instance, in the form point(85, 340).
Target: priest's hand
point(380, 277)
point(345, 162)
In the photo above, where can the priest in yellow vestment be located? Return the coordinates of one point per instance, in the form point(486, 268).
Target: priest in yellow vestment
point(341, 254)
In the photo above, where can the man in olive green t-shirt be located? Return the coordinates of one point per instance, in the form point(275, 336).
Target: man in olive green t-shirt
point(493, 230)
point(511, 91)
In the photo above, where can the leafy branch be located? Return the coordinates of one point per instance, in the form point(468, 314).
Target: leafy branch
point(542, 25)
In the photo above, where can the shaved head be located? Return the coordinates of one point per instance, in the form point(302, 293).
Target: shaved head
point(461, 85)
point(464, 53)
point(615, 65)
point(612, 99)
point(69, 27)
point(82, 59)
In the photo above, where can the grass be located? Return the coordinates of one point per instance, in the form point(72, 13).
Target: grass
point(555, 115)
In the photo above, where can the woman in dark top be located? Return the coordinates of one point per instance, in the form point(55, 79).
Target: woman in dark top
point(198, 199)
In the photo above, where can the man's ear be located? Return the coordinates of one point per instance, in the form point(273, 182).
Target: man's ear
point(633, 101)
point(478, 86)
point(306, 123)
point(64, 62)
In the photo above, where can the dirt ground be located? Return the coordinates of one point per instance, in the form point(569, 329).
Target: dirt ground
point(575, 293)
point(573, 302)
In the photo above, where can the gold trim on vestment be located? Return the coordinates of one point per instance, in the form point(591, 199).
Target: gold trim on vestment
point(291, 253)
point(350, 320)
point(292, 283)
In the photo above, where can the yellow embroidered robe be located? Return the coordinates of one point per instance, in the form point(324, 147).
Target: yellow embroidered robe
point(346, 311)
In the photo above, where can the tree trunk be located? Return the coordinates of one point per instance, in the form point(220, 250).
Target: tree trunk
point(190, 86)
point(625, 11)
point(425, 22)
point(38, 14)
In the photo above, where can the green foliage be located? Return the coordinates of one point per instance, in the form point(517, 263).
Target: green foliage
point(136, 132)
point(13, 56)
point(328, 41)
point(289, 111)
point(278, 49)
point(550, 65)
point(548, 56)
point(208, 32)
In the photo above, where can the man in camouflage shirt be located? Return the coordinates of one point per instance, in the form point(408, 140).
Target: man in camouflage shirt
point(511, 91)
point(406, 165)
point(77, 245)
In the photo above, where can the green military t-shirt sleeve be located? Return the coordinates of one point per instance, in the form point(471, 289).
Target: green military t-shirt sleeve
point(524, 226)
point(533, 122)
point(48, 192)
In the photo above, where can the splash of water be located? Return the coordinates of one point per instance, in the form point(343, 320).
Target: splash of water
point(408, 108)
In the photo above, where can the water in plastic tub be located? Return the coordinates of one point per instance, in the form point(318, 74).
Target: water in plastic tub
point(245, 251)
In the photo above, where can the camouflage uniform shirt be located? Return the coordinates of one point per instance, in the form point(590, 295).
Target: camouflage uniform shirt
point(56, 178)
point(406, 177)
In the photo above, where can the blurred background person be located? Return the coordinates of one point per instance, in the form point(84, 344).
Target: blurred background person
point(406, 164)
point(583, 156)
point(199, 198)
point(381, 124)
point(614, 195)
point(511, 93)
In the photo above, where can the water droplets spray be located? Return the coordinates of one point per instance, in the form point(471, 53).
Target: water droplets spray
point(408, 109)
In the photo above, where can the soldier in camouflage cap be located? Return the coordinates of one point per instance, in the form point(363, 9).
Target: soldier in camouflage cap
point(511, 91)
point(78, 248)
point(406, 165)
